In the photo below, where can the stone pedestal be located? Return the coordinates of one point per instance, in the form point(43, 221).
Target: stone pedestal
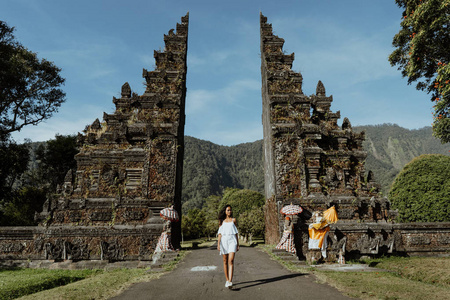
point(314, 256)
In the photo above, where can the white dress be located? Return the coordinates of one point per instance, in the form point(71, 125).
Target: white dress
point(228, 241)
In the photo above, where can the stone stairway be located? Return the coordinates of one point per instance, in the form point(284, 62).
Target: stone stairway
point(288, 257)
point(162, 258)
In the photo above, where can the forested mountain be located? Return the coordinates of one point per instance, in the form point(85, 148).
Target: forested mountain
point(390, 147)
point(209, 168)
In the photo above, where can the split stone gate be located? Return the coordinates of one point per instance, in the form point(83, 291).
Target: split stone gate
point(130, 167)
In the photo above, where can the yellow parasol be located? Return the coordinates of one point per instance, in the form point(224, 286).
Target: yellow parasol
point(330, 215)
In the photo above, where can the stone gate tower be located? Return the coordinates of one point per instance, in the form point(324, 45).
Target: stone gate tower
point(309, 159)
point(129, 168)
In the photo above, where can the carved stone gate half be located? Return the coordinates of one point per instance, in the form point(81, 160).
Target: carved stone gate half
point(129, 168)
point(311, 161)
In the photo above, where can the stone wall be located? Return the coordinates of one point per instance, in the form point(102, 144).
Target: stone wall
point(129, 168)
point(121, 242)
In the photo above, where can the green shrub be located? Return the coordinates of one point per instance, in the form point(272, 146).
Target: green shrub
point(421, 191)
point(241, 200)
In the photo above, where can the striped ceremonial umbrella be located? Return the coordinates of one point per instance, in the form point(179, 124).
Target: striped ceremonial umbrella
point(169, 213)
point(291, 209)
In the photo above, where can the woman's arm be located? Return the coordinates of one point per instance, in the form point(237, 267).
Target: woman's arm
point(218, 242)
point(237, 235)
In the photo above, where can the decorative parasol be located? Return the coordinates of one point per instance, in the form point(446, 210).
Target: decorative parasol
point(330, 215)
point(169, 213)
point(291, 209)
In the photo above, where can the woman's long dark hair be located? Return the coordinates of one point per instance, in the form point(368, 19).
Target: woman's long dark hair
point(223, 214)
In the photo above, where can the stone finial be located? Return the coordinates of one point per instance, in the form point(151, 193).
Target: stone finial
point(96, 125)
point(263, 19)
point(69, 176)
point(346, 124)
point(126, 90)
point(80, 139)
point(320, 89)
point(185, 19)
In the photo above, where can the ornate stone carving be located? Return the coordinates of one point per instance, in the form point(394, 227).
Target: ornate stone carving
point(54, 250)
point(39, 244)
point(346, 213)
point(75, 216)
point(76, 250)
point(59, 216)
point(418, 240)
point(133, 215)
point(367, 245)
point(444, 239)
point(111, 251)
point(11, 247)
point(100, 216)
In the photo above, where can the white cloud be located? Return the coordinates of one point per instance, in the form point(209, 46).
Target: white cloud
point(69, 120)
point(199, 101)
point(232, 96)
point(211, 59)
point(349, 56)
point(227, 115)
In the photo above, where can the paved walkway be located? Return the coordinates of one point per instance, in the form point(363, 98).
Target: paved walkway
point(200, 276)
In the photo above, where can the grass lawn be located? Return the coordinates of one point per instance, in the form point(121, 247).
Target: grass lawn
point(73, 284)
point(19, 282)
point(102, 286)
point(418, 278)
point(409, 278)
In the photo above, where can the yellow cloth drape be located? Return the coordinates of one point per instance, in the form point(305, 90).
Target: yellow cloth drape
point(320, 225)
point(330, 215)
point(318, 234)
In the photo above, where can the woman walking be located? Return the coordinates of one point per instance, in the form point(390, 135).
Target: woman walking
point(228, 242)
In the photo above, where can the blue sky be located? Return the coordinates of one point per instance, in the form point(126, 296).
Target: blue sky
point(102, 44)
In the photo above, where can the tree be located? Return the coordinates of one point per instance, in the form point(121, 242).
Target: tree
point(251, 223)
point(422, 55)
point(247, 208)
point(29, 87)
point(193, 224)
point(14, 162)
point(241, 200)
point(421, 191)
point(56, 158)
point(24, 187)
point(23, 204)
point(211, 210)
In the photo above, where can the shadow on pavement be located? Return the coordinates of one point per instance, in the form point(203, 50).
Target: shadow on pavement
point(247, 284)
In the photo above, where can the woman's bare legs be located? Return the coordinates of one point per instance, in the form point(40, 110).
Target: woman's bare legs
point(225, 265)
point(230, 266)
